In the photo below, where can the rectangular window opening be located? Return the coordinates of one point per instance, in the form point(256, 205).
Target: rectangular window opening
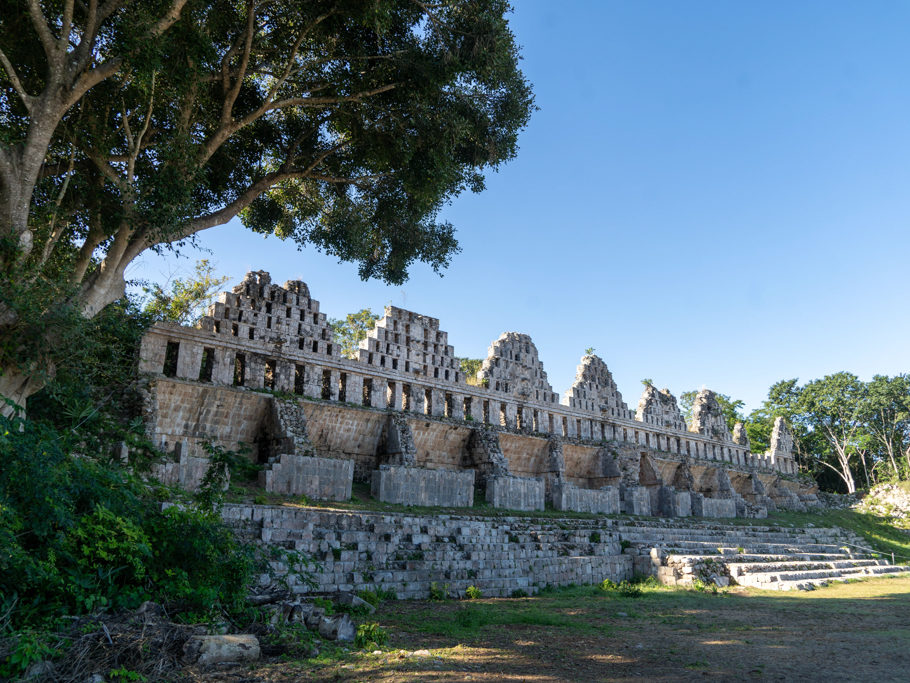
point(366, 399)
point(299, 375)
point(171, 356)
point(326, 385)
point(343, 387)
point(239, 370)
point(208, 364)
point(268, 379)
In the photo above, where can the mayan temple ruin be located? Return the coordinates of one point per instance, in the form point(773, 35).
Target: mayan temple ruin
point(262, 371)
point(262, 374)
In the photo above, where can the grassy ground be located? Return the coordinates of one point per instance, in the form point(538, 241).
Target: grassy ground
point(855, 631)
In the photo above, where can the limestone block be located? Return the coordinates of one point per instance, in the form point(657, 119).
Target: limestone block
point(418, 486)
point(636, 500)
point(209, 650)
point(515, 493)
point(569, 497)
point(319, 478)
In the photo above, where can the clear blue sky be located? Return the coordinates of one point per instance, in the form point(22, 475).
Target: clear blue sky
point(712, 194)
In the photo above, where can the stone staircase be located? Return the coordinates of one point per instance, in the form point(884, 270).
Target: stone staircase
point(767, 557)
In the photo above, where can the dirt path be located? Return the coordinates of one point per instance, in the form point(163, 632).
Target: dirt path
point(857, 631)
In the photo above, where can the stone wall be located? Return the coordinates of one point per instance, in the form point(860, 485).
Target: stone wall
point(405, 402)
point(418, 486)
point(406, 553)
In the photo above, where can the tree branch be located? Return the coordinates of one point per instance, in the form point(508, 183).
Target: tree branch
point(17, 84)
point(44, 33)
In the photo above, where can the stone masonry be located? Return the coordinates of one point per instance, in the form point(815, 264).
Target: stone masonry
point(262, 371)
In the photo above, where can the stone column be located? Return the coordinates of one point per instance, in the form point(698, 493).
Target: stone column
point(417, 399)
point(255, 371)
point(458, 406)
point(378, 395)
point(152, 353)
point(189, 359)
point(312, 381)
point(438, 403)
point(223, 366)
point(334, 382)
point(354, 389)
point(493, 409)
point(284, 376)
point(511, 415)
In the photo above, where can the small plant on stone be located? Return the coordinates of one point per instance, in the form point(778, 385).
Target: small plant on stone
point(370, 637)
point(519, 593)
point(594, 537)
point(513, 538)
point(336, 553)
point(325, 604)
point(439, 593)
point(624, 544)
point(472, 593)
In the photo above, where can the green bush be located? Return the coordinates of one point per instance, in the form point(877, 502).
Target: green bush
point(370, 636)
point(439, 593)
point(78, 534)
point(472, 593)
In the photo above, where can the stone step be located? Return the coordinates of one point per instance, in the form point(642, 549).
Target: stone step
point(755, 548)
point(756, 558)
point(738, 569)
point(809, 583)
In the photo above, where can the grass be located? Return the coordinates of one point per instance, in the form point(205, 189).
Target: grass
point(583, 633)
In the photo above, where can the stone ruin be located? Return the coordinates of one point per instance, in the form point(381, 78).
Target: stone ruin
point(261, 371)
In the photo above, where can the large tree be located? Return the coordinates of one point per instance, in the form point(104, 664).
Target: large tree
point(128, 125)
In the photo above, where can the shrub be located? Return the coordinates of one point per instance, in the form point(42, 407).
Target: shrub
point(78, 534)
point(519, 593)
point(370, 636)
point(595, 537)
point(439, 593)
point(472, 593)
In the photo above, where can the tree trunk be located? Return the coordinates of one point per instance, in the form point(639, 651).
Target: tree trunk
point(16, 386)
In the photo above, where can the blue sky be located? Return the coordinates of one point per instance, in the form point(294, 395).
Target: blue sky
point(712, 194)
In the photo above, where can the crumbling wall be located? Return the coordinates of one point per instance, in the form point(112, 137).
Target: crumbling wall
point(708, 417)
point(594, 390)
point(660, 408)
point(404, 401)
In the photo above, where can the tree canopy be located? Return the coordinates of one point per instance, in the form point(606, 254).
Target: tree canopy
point(337, 124)
point(350, 331)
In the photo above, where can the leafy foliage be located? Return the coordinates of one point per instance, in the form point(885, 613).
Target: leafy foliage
point(469, 368)
point(340, 125)
point(353, 329)
point(78, 535)
point(187, 299)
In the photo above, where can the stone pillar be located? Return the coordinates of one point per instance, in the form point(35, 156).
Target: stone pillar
point(438, 402)
point(189, 359)
point(312, 381)
point(493, 409)
point(585, 429)
point(223, 366)
point(417, 399)
point(571, 430)
point(378, 395)
point(334, 382)
point(255, 371)
point(542, 424)
point(152, 353)
point(354, 389)
point(284, 376)
point(457, 406)
point(511, 415)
